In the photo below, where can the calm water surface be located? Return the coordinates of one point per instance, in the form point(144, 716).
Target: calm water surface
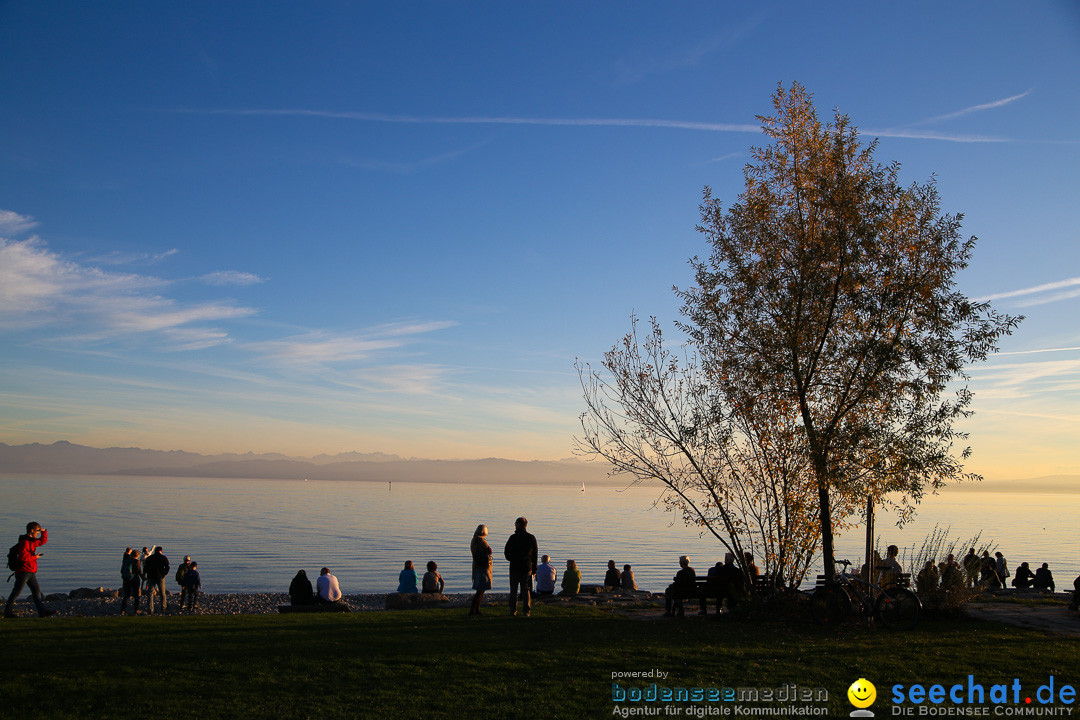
point(253, 535)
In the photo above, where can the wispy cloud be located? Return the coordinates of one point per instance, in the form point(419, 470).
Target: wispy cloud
point(1037, 352)
point(566, 122)
point(1060, 285)
point(407, 167)
point(38, 288)
point(907, 134)
point(722, 158)
point(640, 65)
point(483, 120)
point(12, 223)
point(908, 131)
point(976, 108)
point(224, 278)
point(325, 348)
point(1025, 379)
point(123, 258)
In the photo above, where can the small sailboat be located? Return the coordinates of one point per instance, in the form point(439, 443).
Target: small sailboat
point(583, 486)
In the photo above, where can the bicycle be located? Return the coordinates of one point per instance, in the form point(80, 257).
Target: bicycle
point(894, 607)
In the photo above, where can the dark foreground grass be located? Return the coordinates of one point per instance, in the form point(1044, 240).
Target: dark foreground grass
point(440, 664)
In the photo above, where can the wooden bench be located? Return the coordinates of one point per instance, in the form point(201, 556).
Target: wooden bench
point(903, 580)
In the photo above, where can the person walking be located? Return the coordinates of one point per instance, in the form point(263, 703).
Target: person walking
point(23, 562)
point(481, 567)
point(521, 551)
point(156, 570)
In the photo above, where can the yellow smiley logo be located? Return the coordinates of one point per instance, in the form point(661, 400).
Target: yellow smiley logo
point(862, 693)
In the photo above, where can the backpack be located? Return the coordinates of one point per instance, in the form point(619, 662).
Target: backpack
point(180, 572)
point(15, 558)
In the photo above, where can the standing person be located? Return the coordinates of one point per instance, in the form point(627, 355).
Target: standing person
point(131, 579)
point(24, 567)
point(481, 567)
point(988, 571)
point(180, 571)
point(521, 551)
point(971, 568)
point(545, 577)
point(1001, 567)
point(156, 570)
point(612, 581)
point(327, 586)
point(192, 585)
point(627, 578)
point(143, 557)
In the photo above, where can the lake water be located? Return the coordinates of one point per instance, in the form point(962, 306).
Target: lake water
point(253, 535)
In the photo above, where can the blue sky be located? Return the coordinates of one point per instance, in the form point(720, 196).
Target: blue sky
point(331, 226)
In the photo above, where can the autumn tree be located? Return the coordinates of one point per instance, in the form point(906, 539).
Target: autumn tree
point(826, 354)
point(831, 294)
point(738, 473)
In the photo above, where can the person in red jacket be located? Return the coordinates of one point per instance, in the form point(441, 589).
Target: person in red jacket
point(26, 569)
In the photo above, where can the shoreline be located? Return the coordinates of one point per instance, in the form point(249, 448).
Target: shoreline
point(267, 603)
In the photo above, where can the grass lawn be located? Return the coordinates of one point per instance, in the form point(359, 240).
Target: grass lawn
point(438, 663)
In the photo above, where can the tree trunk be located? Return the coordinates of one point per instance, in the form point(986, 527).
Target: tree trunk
point(825, 508)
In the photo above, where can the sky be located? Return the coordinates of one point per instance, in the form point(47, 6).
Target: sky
point(332, 226)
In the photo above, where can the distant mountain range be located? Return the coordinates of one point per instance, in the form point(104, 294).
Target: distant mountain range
point(67, 458)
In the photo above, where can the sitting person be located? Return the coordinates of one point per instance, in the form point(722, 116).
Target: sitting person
point(1075, 604)
point(683, 585)
point(545, 577)
point(300, 592)
point(627, 578)
point(433, 582)
point(571, 579)
point(952, 575)
point(407, 579)
point(612, 580)
point(1044, 579)
point(1023, 578)
point(927, 582)
point(889, 569)
point(327, 589)
point(751, 568)
point(726, 582)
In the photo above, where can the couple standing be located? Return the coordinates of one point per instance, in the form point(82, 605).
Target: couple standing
point(520, 550)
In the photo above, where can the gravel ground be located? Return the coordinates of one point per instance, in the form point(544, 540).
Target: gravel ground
point(267, 603)
point(210, 604)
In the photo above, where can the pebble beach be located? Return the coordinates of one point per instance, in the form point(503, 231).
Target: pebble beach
point(107, 605)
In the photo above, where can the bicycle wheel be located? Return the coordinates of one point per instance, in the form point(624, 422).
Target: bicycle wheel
point(898, 608)
point(830, 605)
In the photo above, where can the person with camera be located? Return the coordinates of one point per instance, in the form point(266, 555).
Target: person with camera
point(22, 559)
